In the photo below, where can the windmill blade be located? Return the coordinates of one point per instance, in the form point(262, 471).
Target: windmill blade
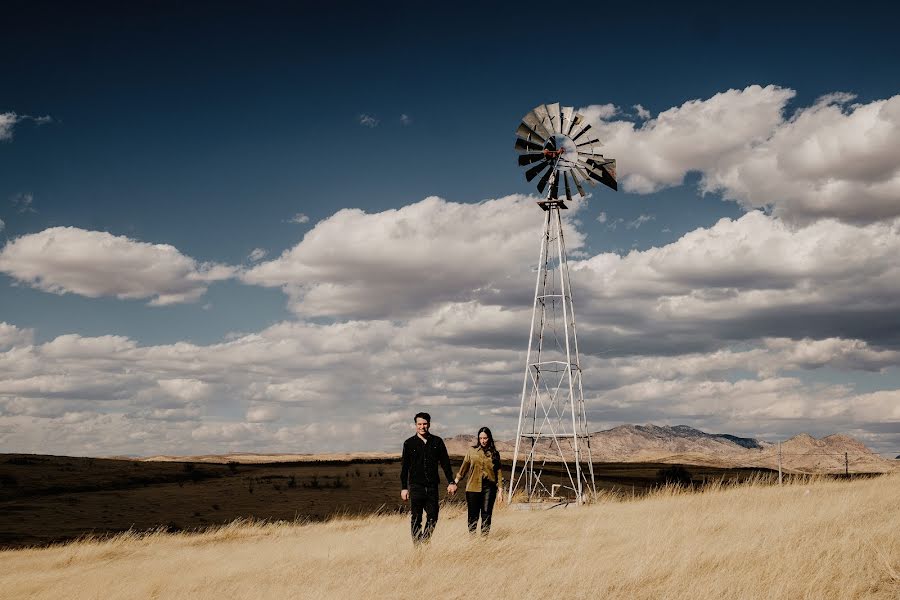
point(533, 121)
point(593, 172)
point(544, 117)
point(533, 171)
point(566, 123)
point(590, 151)
point(582, 170)
point(601, 162)
point(568, 191)
point(581, 133)
point(565, 162)
point(578, 185)
point(527, 133)
point(589, 143)
point(576, 121)
point(607, 171)
point(527, 159)
point(553, 112)
point(524, 146)
point(543, 182)
point(610, 169)
point(551, 144)
point(605, 175)
point(585, 164)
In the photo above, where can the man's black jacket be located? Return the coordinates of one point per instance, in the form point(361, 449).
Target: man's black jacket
point(421, 460)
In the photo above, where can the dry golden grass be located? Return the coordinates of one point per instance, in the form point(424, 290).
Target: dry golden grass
point(817, 540)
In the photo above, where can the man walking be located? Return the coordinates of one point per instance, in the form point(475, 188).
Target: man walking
point(422, 453)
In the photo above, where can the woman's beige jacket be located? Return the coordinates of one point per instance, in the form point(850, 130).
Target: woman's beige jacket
point(480, 465)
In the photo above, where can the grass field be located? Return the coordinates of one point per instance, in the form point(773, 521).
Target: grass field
point(47, 499)
point(821, 539)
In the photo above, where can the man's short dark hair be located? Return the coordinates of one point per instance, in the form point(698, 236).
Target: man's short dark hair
point(422, 415)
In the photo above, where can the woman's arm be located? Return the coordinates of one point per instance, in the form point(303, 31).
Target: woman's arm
point(464, 468)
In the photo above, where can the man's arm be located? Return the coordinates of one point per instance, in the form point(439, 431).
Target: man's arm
point(404, 473)
point(444, 460)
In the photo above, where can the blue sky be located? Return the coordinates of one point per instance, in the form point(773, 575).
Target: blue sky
point(147, 151)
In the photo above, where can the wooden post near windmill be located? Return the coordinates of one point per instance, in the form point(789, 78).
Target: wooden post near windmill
point(780, 481)
point(846, 465)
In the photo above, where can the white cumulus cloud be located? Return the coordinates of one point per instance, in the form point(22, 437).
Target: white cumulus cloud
point(368, 121)
point(95, 263)
point(401, 260)
point(257, 254)
point(833, 159)
point(8, 120)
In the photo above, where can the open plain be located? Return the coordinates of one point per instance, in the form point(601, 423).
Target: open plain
point(815, 539)
point(50, 499)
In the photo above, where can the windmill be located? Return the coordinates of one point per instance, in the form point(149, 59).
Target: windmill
point(553, 443)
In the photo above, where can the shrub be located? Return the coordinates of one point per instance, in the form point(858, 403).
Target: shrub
point(674, 475)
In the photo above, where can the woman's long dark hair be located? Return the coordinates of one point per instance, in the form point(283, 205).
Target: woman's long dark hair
point(490, 445)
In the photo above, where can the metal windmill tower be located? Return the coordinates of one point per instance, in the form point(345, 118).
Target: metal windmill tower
point(553, 440)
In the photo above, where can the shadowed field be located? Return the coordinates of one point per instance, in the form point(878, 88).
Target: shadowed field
point(46, 499)
point(821, 539)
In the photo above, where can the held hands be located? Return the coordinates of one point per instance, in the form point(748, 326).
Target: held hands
point(451, 489)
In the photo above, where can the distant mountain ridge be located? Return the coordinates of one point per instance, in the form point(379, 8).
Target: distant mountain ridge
point(688, 432)
point(676, 444)
point(686, 445)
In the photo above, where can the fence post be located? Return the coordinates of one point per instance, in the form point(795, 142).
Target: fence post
point(779, 463)
point(846, 465)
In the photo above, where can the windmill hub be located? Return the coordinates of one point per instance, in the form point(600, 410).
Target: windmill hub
point(562, 147)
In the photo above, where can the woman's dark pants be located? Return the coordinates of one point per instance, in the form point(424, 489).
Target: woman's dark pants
point(481, 504)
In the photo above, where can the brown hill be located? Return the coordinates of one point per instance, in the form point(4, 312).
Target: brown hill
point(686, 445)
point(641, 443)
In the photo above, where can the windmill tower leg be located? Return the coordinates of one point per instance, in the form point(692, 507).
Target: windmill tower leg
point(524, 412)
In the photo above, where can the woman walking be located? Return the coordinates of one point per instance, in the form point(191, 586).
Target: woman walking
point(485, 484)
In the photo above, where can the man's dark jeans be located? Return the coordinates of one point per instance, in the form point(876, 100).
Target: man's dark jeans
point(423, 498)
point(481, 504)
